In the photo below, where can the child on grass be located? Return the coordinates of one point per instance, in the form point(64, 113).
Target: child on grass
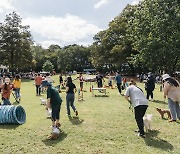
point(6, 90)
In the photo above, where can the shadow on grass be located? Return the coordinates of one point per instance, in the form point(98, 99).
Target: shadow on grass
point(101, 96)
point(49, 142)
point(153, 141)
point(75, 120)
point(160, 102)
point(8, 126)
point(178, 122)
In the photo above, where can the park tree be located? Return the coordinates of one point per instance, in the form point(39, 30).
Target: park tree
point(38, 54)
point(112, 47)
point(155, 32)
point(74, 57)
point(48, 66)
point(15, 42)
point(41, 55)
point(51, 54)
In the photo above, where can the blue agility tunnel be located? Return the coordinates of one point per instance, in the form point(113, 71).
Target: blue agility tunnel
point(11, 114)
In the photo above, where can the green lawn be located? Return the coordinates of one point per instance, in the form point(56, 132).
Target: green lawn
point(105, 125)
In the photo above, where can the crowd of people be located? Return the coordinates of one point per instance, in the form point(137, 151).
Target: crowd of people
point(133, 94)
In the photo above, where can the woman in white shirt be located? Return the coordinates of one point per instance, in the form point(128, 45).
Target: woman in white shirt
point(140, 104)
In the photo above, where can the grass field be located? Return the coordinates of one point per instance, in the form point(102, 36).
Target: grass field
point(105, 125)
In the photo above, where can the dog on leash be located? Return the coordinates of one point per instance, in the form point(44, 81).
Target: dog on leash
point(147, 119)
point(163, 111)
point(43, 101)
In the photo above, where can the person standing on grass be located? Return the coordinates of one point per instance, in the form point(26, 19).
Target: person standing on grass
point(99, 79)
point(172, 92)
point(38, 80)
point(54, 102)
point(140, 104)
point(17, 85)
point(150, 86)
point(60, 80)
point(49, 78)
point(118, 81)
point(6, 90)
point(81, 80)
point(70, 96)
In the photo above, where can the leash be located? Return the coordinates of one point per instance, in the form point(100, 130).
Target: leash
point(130, 106)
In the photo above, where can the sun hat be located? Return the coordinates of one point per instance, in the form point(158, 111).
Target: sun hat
point(165, 76)
point(45, 83)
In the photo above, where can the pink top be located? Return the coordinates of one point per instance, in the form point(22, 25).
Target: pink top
point(172, 92)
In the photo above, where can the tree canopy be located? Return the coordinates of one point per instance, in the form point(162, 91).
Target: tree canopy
point(15, 41)
point(143, 38)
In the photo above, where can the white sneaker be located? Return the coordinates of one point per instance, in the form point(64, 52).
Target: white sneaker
point(56, 130)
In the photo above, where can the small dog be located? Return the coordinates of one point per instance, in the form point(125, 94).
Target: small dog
point(163, 111)
point(147, 121)
point(55, 134)
point(43, 101)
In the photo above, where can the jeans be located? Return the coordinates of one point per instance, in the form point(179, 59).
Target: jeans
point(38, 90)
point(17, 93)
point(139, 112)
point(70, 102)
point(149, 93)
point(119, 87)
point(56, 112)
point(174, 109)
point(6, 102)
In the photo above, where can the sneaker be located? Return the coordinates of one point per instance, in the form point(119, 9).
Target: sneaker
point(172, 120)
point(152, 99)
point(137, 131)
point(142, 135)
point(76, 113)
point(68, 115)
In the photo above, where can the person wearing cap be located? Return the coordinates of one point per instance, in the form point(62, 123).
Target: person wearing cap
point(53, 101)
point(134, 95)
point(172, 92)
point(6, 90)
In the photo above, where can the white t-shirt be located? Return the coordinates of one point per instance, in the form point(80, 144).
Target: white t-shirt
point(136, 95)
point(49, 79)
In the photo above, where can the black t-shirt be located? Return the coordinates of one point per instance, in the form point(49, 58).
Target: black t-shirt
point(99, 78)
point(71, 87)
point(60, 79)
